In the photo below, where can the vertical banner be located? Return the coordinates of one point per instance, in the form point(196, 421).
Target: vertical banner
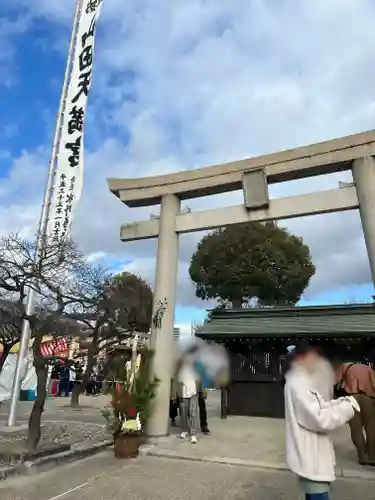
point(68, 180)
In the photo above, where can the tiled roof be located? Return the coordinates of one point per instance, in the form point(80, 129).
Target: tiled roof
point(339, 321)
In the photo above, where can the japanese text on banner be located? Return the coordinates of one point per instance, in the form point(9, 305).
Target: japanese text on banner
point(69, 168)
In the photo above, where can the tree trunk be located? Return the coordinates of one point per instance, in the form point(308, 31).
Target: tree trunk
point(74, 398)
point(34, 431)
point(35, 420)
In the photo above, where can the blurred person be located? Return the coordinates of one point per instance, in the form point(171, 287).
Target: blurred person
point(358, 380)
point(72, 378)
point(94, 385)
point(55, 381)
point(95, 381)
point(174, 405)
point(77, 376)
point(89, 388)
point(210, 362)
point(188, 403)
point(324, 378)
point(309, 420)
point(64, 381)
point(100, 380)
point(173, 411)
point(207, 365)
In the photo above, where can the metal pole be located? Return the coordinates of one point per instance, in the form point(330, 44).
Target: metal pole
point(42, 228)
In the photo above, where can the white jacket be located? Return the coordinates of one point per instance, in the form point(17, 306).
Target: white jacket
point(309, 420)
point(186, 377)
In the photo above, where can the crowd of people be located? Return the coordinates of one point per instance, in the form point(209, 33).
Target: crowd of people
point(320, 397)
point(66, 376)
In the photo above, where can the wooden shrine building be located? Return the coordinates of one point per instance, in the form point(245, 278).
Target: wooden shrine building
point(257, 339)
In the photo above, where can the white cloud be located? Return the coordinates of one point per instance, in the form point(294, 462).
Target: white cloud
point(96, 256)
point(185, 330)
point(185, 84)
point(9, 30)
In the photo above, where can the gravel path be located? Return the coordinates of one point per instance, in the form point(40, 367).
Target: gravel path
point(58, 433)
point(63, 432)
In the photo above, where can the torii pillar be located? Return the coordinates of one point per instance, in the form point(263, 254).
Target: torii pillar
point(164, 293)
point(363, 170)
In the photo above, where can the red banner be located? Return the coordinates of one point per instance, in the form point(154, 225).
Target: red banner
point(54, 347)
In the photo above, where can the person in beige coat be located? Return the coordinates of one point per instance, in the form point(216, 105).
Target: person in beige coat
point(309, 421)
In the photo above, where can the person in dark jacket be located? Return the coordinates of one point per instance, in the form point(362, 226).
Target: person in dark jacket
point(64, 381)
point(174, 402)
point(202, 396)
point(174, 405)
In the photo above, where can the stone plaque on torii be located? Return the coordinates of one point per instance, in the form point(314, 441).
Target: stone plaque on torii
point(355, 152)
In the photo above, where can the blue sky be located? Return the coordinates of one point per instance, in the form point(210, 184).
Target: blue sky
point(185, 84)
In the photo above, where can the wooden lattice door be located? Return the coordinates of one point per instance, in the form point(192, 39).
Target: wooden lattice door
point(256, 382)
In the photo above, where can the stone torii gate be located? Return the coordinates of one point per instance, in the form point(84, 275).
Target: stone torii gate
point(355, 152)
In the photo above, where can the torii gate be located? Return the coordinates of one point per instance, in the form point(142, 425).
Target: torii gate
point(355, 152)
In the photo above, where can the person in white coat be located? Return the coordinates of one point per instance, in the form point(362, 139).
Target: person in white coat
point(309, 420)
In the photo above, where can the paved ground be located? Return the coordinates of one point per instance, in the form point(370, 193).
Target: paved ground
point(104, 478)
point(237, 440)
point(254, 441)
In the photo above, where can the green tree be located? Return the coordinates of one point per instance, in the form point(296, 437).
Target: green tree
point(241, 262)
point(112, 308)
point(135, 298)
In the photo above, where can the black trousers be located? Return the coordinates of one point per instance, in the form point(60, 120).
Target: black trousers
point(202, 411)
point(175, 404)
point(173, 408)
point(64, 387)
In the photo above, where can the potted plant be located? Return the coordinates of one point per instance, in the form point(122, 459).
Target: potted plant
point(129, 411)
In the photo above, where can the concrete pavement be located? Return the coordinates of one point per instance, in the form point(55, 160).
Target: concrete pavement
point(257, 442)
point(104, 478)
point(245, 441)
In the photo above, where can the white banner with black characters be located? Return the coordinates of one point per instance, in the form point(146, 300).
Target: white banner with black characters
point(69, 166)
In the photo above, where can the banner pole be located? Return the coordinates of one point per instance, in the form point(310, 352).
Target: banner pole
point(43, 222)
